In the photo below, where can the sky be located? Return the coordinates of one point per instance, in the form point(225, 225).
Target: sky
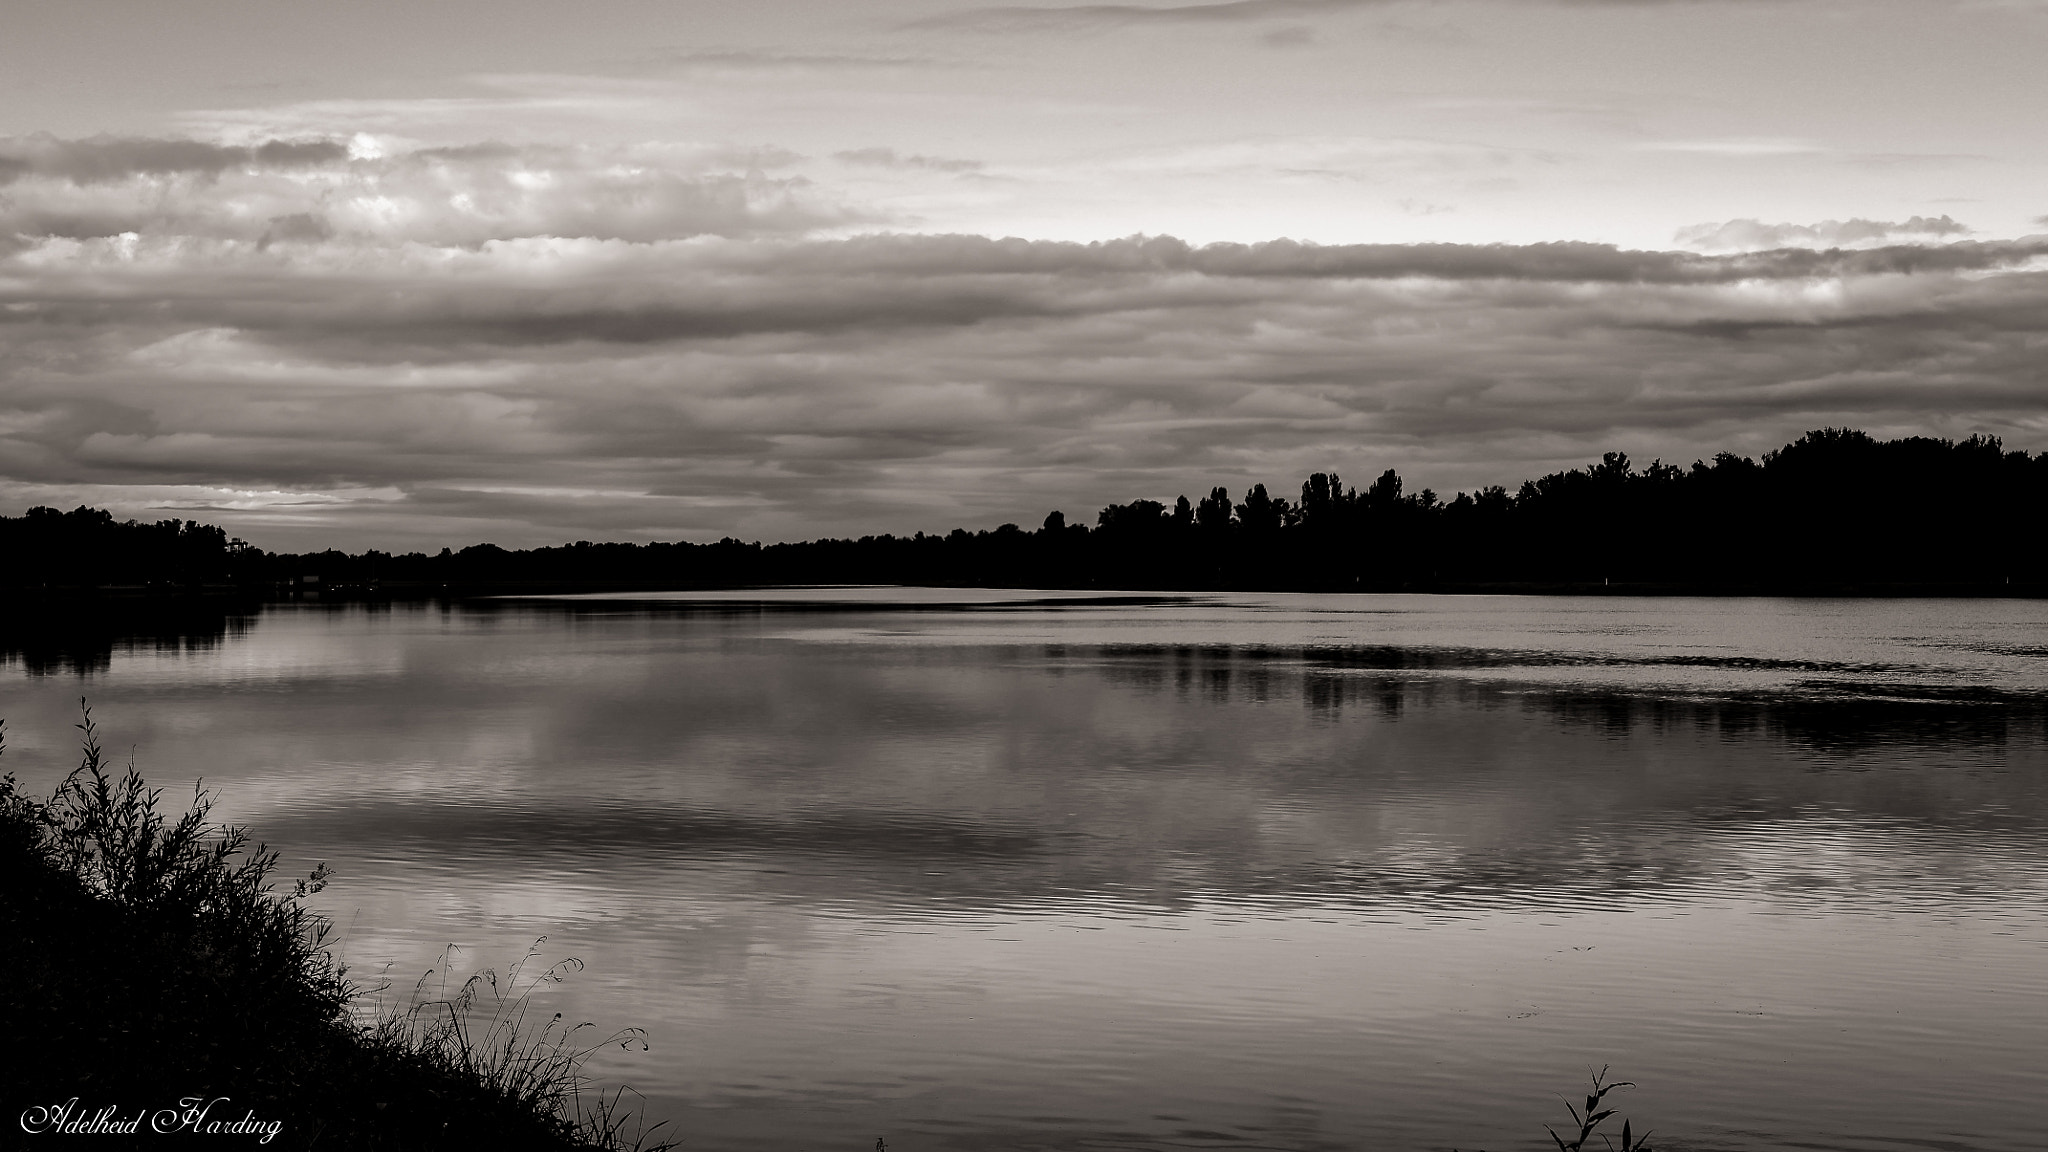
point(412, 275)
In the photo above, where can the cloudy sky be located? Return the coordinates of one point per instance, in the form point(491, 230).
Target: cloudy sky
point(403, 275)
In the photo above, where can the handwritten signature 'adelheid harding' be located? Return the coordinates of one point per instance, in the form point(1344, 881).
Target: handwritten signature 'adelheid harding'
point(194, 1114)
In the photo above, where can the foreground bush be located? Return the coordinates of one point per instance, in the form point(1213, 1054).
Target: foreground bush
point(153, 961)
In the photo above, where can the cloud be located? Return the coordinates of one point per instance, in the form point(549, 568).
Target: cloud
point(1763, 148)
point(1362, 158)
point(1292, 36)
point(1894, 161)
point(1746, 235)
point(888, 158)
point(366, 188)
point(1746, 146)
point(1028, 18)
point(1012, 18)
point(302, 226)
point(773, 62)
point(593, 344)
point(113, 159)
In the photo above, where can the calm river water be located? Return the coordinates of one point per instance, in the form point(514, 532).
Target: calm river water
point(994, 870)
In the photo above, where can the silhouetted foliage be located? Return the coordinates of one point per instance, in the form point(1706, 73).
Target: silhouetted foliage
point(1836, 510)
point(86, 547)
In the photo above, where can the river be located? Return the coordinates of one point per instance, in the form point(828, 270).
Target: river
point(1011, 870)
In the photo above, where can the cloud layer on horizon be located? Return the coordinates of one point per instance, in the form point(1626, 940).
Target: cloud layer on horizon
point(344, 342)
point(366, 190)
point(1755, 235)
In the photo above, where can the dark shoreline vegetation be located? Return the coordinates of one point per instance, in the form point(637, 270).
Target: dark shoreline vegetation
point(1836, 512)
point(157, 975)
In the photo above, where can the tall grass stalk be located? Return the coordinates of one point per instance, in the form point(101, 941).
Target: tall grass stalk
point(484, 1033)
point(1595, 1115)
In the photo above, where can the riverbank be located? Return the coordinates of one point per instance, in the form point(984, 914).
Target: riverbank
point(159, 982)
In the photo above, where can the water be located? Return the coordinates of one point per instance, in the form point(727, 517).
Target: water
point(995, 870)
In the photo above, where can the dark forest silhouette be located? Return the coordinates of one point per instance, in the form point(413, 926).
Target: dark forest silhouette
point(1835, 510)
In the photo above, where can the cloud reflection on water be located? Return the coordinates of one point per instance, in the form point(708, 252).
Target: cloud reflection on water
point(908, 779)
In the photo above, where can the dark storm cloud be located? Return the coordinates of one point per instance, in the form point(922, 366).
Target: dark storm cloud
point(465, 347)
point(296, 226)
point(108, 159)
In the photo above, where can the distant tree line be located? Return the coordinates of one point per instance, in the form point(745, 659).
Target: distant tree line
point(1835, 509)
point(87, 547)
